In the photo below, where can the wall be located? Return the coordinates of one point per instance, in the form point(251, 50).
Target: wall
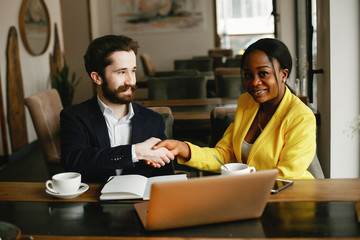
point(164, 47)
point(76, 28)
point(344, 86)
point(338, 104)
point(34, 69)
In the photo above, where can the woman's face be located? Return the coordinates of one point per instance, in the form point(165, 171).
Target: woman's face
point(264, 81)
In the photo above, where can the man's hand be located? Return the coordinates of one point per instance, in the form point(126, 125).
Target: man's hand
point(155, 157)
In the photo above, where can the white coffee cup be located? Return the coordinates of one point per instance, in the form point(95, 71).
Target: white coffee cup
point(64, 183)
point(236, 168)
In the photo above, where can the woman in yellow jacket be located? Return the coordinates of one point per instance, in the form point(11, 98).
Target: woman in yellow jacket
point(272, 127)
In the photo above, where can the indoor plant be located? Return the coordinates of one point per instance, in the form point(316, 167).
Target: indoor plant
point(65, 85)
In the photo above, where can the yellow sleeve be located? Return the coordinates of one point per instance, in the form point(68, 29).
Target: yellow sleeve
point(202, 158)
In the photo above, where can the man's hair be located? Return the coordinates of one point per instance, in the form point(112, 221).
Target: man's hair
point(97, 55)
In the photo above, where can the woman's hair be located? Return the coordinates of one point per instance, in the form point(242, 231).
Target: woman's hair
point(274, 49)
point(97, 55)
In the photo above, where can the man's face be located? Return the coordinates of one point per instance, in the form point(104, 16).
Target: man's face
point(119, 78)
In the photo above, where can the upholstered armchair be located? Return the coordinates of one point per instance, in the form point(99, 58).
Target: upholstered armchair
point(44, 108)
point(176, 87)
point(228, 82)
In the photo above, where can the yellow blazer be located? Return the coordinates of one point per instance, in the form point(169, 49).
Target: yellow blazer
point(288, 142)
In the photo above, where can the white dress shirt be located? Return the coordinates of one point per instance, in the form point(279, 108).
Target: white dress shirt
point(119, 130)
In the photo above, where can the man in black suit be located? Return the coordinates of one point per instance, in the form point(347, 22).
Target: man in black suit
point(110, 134)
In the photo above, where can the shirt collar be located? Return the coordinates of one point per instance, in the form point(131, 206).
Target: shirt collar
point(104, 108)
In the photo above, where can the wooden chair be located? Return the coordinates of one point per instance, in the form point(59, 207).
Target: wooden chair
point(222, 117)
point(44, 108)
point(228, 82)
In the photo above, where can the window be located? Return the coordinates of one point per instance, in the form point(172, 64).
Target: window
point(242, 22)
point(306, 50)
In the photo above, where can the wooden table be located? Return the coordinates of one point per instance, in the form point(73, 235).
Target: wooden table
point(309, 209)
point(302, 190)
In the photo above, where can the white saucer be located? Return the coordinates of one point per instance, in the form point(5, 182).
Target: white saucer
point(83, 188)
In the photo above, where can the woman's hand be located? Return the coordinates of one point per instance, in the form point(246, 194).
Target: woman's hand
point(177, 148)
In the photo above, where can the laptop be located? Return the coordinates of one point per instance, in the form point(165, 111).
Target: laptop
point(206, 200)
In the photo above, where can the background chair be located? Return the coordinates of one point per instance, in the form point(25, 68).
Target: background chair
point(203, 65)
point(182, 72)
point(169, 121)
point(232, 62)
point(150, 70)
point(148, 66)
point(217, 60)
point(315, 168)
point(228, 82)
point(176, 87)
point(221, 52)
point(220, 119)
point(166, 113)
point(44, 108)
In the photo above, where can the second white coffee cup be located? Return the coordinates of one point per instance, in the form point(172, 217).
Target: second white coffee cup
point(64, 183)
point(236, 168)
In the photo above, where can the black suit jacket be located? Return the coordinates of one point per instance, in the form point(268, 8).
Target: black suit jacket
point(85, 143)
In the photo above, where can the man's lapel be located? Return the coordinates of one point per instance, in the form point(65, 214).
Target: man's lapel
point(99, 124)
point(137, 123)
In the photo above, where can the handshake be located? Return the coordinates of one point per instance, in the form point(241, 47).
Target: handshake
point(157, 153)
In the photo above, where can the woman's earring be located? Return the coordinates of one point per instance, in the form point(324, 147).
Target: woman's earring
point(284, 80)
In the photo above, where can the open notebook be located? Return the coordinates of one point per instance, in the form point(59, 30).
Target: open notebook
point(206, 200)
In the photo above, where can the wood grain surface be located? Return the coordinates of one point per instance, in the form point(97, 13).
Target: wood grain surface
point(15, 94)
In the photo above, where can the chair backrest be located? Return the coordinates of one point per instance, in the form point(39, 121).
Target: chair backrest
point(44, 108)
point(221, 52)
point(182, 72)
point(228, 82)
point(166, 113)
point(201, 64)
point(222, 117)
point(176, 87)
point(148, 66)
point(228, 71)
point(232, 62)
point(217, 60)
point(315, 168)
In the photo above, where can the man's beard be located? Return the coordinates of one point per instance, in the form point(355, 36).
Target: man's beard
point(113, 96)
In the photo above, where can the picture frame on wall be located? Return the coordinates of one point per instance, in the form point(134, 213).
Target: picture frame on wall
point(157, 16)
point(34, 24)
